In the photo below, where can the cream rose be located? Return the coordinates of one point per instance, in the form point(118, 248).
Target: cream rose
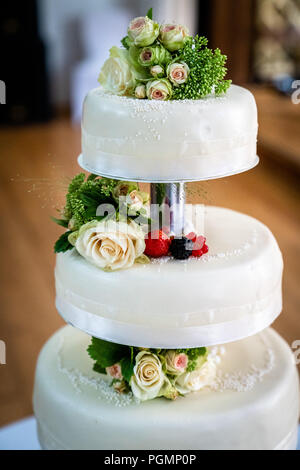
point(109, 244)
point(200, 377)
point(159, 89)
point(178, 73)
point(117, 75)
point(176, 363)
point(148, 378)
point(157, 71)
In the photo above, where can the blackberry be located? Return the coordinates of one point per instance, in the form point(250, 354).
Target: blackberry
point(181, 248)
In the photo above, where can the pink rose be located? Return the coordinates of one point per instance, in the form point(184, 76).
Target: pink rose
point(142, 31)
point(173, 36)
point(176, 363)
point(160, 89)
point(114, 371)
point(180, 362)
point(137, 24)
point(178, 73)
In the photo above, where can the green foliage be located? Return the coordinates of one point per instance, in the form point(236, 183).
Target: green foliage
point(107, 354)
point(160, 192)
point(193, 355)
point(99, 369)
point(150, 13)
point(125, 42)
point(127, 366)
point(63, 243)
point(207, 70)
point(62, 222)
point(84, 197)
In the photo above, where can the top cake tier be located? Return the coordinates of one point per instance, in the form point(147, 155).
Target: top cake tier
point(161, 141)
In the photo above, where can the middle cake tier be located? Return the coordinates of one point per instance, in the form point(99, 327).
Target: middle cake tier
point(232, 292)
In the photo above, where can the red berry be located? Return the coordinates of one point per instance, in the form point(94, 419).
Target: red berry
point(192, 236)
point(204, 249)
point(157, 244)
point(200, 247)
point(199, 242)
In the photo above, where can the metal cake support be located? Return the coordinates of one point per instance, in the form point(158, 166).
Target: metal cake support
point(167, 206)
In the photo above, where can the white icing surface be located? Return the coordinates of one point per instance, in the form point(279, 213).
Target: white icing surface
point(232, 292)
point(169, 140)
point(76, 409)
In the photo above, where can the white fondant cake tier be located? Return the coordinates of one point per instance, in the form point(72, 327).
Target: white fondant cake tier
point(230, 293)
point(253, 404)
point(186, 140)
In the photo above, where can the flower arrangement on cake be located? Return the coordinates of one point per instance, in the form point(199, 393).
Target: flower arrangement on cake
point(152, 373)
point(163, 62)
point(108, 223)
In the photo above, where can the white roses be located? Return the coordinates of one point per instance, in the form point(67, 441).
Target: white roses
point(201, 377)
point(117, 75)
point(148, 377)
point(109, 244)
point(166, 375)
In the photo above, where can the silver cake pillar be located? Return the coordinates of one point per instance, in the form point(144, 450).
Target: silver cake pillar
point(167, 206)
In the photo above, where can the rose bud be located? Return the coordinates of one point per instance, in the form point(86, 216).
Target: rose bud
point(142, 31)
point(159, 89)
point(173, 36)
point(155, 55)
point(178, 73)
point(157, 71)
point(176, 363)
point(123, 188)
point(114, 371)
point(140, 92)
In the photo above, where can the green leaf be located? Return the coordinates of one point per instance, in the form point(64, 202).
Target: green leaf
point(99, 369)
point(92, 177)
point(125, 42)
point(62, 222)
point(63, 243)
point(202, 351)
point(150, 13)
point(127, 368)
point(106, 354)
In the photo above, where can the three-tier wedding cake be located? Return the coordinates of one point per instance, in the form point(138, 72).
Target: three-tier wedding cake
point(169, 305)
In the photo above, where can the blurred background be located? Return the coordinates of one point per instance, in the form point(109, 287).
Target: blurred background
point(52, 51)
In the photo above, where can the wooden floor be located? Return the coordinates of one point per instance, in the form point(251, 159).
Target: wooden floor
point(36, 164)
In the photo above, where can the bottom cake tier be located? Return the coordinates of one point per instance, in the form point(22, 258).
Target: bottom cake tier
point(252, 404)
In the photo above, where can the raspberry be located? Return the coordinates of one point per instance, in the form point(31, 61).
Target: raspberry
point(157, 244)
point(181, 248)
point(200, 248)
point(191, 236)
